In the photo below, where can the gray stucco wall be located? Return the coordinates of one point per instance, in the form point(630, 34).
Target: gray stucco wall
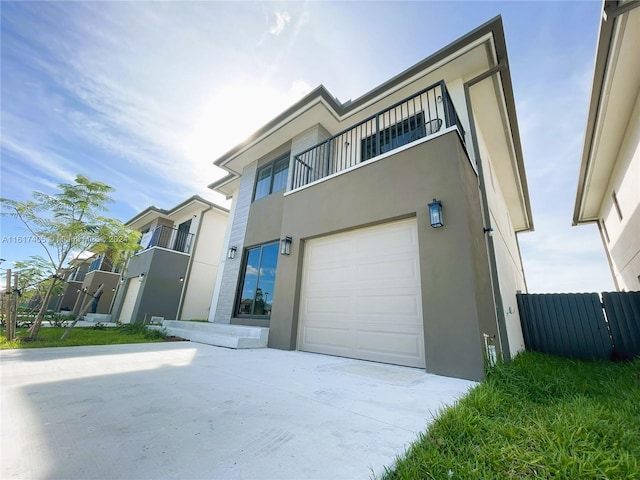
point(161, 288)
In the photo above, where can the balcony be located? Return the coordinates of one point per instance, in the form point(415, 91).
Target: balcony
point(422, 115)
point(167, 237)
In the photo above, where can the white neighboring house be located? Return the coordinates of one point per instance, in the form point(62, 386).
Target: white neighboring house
point(174, 273)
point(609, 181)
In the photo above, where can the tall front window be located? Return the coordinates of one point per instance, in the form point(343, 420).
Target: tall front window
point(272, 178)
point(258, 281)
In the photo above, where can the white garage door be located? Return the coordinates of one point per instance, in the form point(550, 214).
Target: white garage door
point(360, 295)
point(130, 298)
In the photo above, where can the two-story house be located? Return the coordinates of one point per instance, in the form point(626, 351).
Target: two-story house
point(174, 272)
point(609, 181)
point(86, 272)
point(384, 228)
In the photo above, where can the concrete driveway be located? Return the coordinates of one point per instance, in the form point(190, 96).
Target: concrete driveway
point(190, 411)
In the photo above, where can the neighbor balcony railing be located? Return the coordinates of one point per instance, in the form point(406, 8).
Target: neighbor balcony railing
point(411, 119)
point(171, 238)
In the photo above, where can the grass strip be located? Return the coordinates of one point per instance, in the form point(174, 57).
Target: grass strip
point(50, 336)
point(539, 416)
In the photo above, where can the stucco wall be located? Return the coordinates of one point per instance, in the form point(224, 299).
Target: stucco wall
point(205, 263)
point(160, 291)
point(623, 242)
point(508, 260)
point(457, 299)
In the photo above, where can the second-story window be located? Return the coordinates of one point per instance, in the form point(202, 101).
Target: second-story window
point(272, 177)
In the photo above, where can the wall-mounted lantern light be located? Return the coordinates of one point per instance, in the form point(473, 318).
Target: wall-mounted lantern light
point(285, 246)
point(182, 279)
point(231, 253)
point(435, 214)
point(121, 280)
point(141, 277)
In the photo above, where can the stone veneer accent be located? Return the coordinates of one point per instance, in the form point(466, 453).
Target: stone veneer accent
point(231, 269)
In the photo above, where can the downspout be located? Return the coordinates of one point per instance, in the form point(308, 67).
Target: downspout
point(493, 266)
point(185, 284)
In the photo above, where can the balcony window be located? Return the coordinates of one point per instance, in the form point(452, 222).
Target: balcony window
point(96, 264)
point(272, 177)
point(394, 136)
point(258, 281)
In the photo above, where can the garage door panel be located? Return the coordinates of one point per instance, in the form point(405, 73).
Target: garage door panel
point(336, 337)
point(400, 271)
point(386, 239)
point(389, 343)
point(361, 295)
point(337, 250)
point(334, 304)
point(329, 278)
point(390, 305)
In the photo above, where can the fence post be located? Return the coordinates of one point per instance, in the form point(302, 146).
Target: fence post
point(7, 305)
point(15, 295)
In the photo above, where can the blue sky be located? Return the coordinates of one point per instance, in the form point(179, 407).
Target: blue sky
point(145, 95)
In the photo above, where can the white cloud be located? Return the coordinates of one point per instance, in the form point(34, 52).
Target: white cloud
point(282, 20)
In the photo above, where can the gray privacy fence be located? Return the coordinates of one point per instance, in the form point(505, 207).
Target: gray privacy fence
point(580, 325)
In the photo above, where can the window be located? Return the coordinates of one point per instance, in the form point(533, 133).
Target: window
point(395, 136)
point(258, 281)
point(96, 264)
point(272, 177)
point(617, 205)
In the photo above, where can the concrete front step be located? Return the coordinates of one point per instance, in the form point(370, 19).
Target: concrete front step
point(221, 335)
point(98, 317)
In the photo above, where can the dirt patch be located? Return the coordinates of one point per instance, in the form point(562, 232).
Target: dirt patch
point(173, 338)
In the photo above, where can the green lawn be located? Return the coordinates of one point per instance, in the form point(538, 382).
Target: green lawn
point(537, 417)
point(50, 336)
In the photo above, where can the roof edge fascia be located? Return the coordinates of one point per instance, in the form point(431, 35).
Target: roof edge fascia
point(339, 109)
point(609, 14)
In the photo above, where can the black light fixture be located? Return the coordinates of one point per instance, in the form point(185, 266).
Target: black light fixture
point(182, 279)
point(435, 214)
point(285, 246)
point(231, 253)
point(141, 277)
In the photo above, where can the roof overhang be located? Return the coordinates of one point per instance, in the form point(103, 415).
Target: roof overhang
point(191, 206)
point(616, 85)
point(466, 58)
point(493, 103)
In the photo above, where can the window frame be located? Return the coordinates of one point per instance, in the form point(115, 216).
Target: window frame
point(242, 280)
point(286, 158)
point(391, 136)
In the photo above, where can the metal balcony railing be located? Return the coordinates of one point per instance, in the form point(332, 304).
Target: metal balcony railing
point(171, 238)
point(411, 119)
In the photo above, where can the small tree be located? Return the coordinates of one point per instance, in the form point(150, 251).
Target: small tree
point(69, 223)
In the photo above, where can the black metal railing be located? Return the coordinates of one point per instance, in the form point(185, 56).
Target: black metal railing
point(171, 238)
point(411, 119)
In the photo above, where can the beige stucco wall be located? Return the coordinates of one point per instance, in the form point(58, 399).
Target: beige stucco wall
point(623, 242)
point(508, 260)
point(205, 263)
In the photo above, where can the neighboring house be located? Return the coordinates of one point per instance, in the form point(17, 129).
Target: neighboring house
point(609, 181)
point(330, 240)
point(85, 274)
point(174, 273)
